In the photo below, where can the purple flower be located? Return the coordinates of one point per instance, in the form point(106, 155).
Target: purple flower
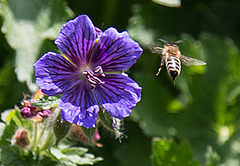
point(85, 72)
point(26, 112)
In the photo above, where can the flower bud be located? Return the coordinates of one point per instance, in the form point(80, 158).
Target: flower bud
point(21, 138)
point(44, 113)
point(37, 118)
point(37, 94)
point(26, 112)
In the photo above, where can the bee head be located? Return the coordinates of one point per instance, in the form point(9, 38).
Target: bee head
point(172, 47)
point(170, 43)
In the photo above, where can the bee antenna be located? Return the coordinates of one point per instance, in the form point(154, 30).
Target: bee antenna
point(178, 41)
point(164, 41)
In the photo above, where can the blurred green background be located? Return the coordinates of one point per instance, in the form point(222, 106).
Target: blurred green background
point(197, 120)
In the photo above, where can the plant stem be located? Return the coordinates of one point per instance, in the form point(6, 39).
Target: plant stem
point(35, 135)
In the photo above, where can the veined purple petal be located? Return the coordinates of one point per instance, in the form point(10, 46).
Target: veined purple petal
point(80, 73)
point(79, 106)
point(115, 51)
point(98, 32)
point(118, 95)
point(76, 38)
point(55, 74)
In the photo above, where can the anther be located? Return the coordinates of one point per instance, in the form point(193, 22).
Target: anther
point(93, 76)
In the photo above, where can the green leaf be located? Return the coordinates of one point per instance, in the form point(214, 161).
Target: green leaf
point(46, 102)
point(212, 158)
point(46, 160)
point(26, 25)
point(10, 156)
point(74, 158)
point(8, 133)
point(169, 3)
point(74, 150)
point(167, 152)
point(14, 115)
point(105, 119)
point(61, 128)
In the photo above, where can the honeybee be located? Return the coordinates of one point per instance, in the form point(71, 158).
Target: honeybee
point(172, 58)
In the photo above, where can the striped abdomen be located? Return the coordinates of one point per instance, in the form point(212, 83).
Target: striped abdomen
point(173, 65)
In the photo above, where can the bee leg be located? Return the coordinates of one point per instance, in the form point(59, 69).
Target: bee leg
point(160, 68)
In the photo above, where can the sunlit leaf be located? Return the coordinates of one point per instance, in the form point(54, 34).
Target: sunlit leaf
point(75, 158)
point(167, 152)
point(75, 150)
point(169, 3)
point(26, 25)
point(46, 102)
point(212, 158)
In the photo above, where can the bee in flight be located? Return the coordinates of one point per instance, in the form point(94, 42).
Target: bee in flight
point(172, 58)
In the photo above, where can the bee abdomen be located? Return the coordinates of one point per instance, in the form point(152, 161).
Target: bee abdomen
point(173, 65)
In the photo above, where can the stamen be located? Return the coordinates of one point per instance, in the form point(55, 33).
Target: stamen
point(93, 76)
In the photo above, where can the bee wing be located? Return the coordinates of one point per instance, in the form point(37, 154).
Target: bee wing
point(188, 61)
point(154, 49)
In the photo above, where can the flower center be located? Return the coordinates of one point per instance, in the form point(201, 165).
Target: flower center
point(93, 76)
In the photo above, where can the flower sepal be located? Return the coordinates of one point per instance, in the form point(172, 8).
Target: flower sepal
point(61, 128)
point(85, 136)
point(89, 133)
point(110, 123)
point(105, 119)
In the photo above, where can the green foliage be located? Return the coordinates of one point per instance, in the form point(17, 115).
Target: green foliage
point(46, 102)
point(37, 147)
point(9, 85)
point(213, 159)
point(73, 156)
point(167, 152)
point(11, 155)
point(169, 3)
point(61, 129)
point(201, 109)
point(26, 25)
point(202, 106)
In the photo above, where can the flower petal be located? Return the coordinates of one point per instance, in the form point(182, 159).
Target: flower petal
point(80, 107)
point(55, 74)
point(76, 38)
point(115, 51)
point(118, 95)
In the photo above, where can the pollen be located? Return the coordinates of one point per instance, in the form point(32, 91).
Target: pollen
point(96, 40)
